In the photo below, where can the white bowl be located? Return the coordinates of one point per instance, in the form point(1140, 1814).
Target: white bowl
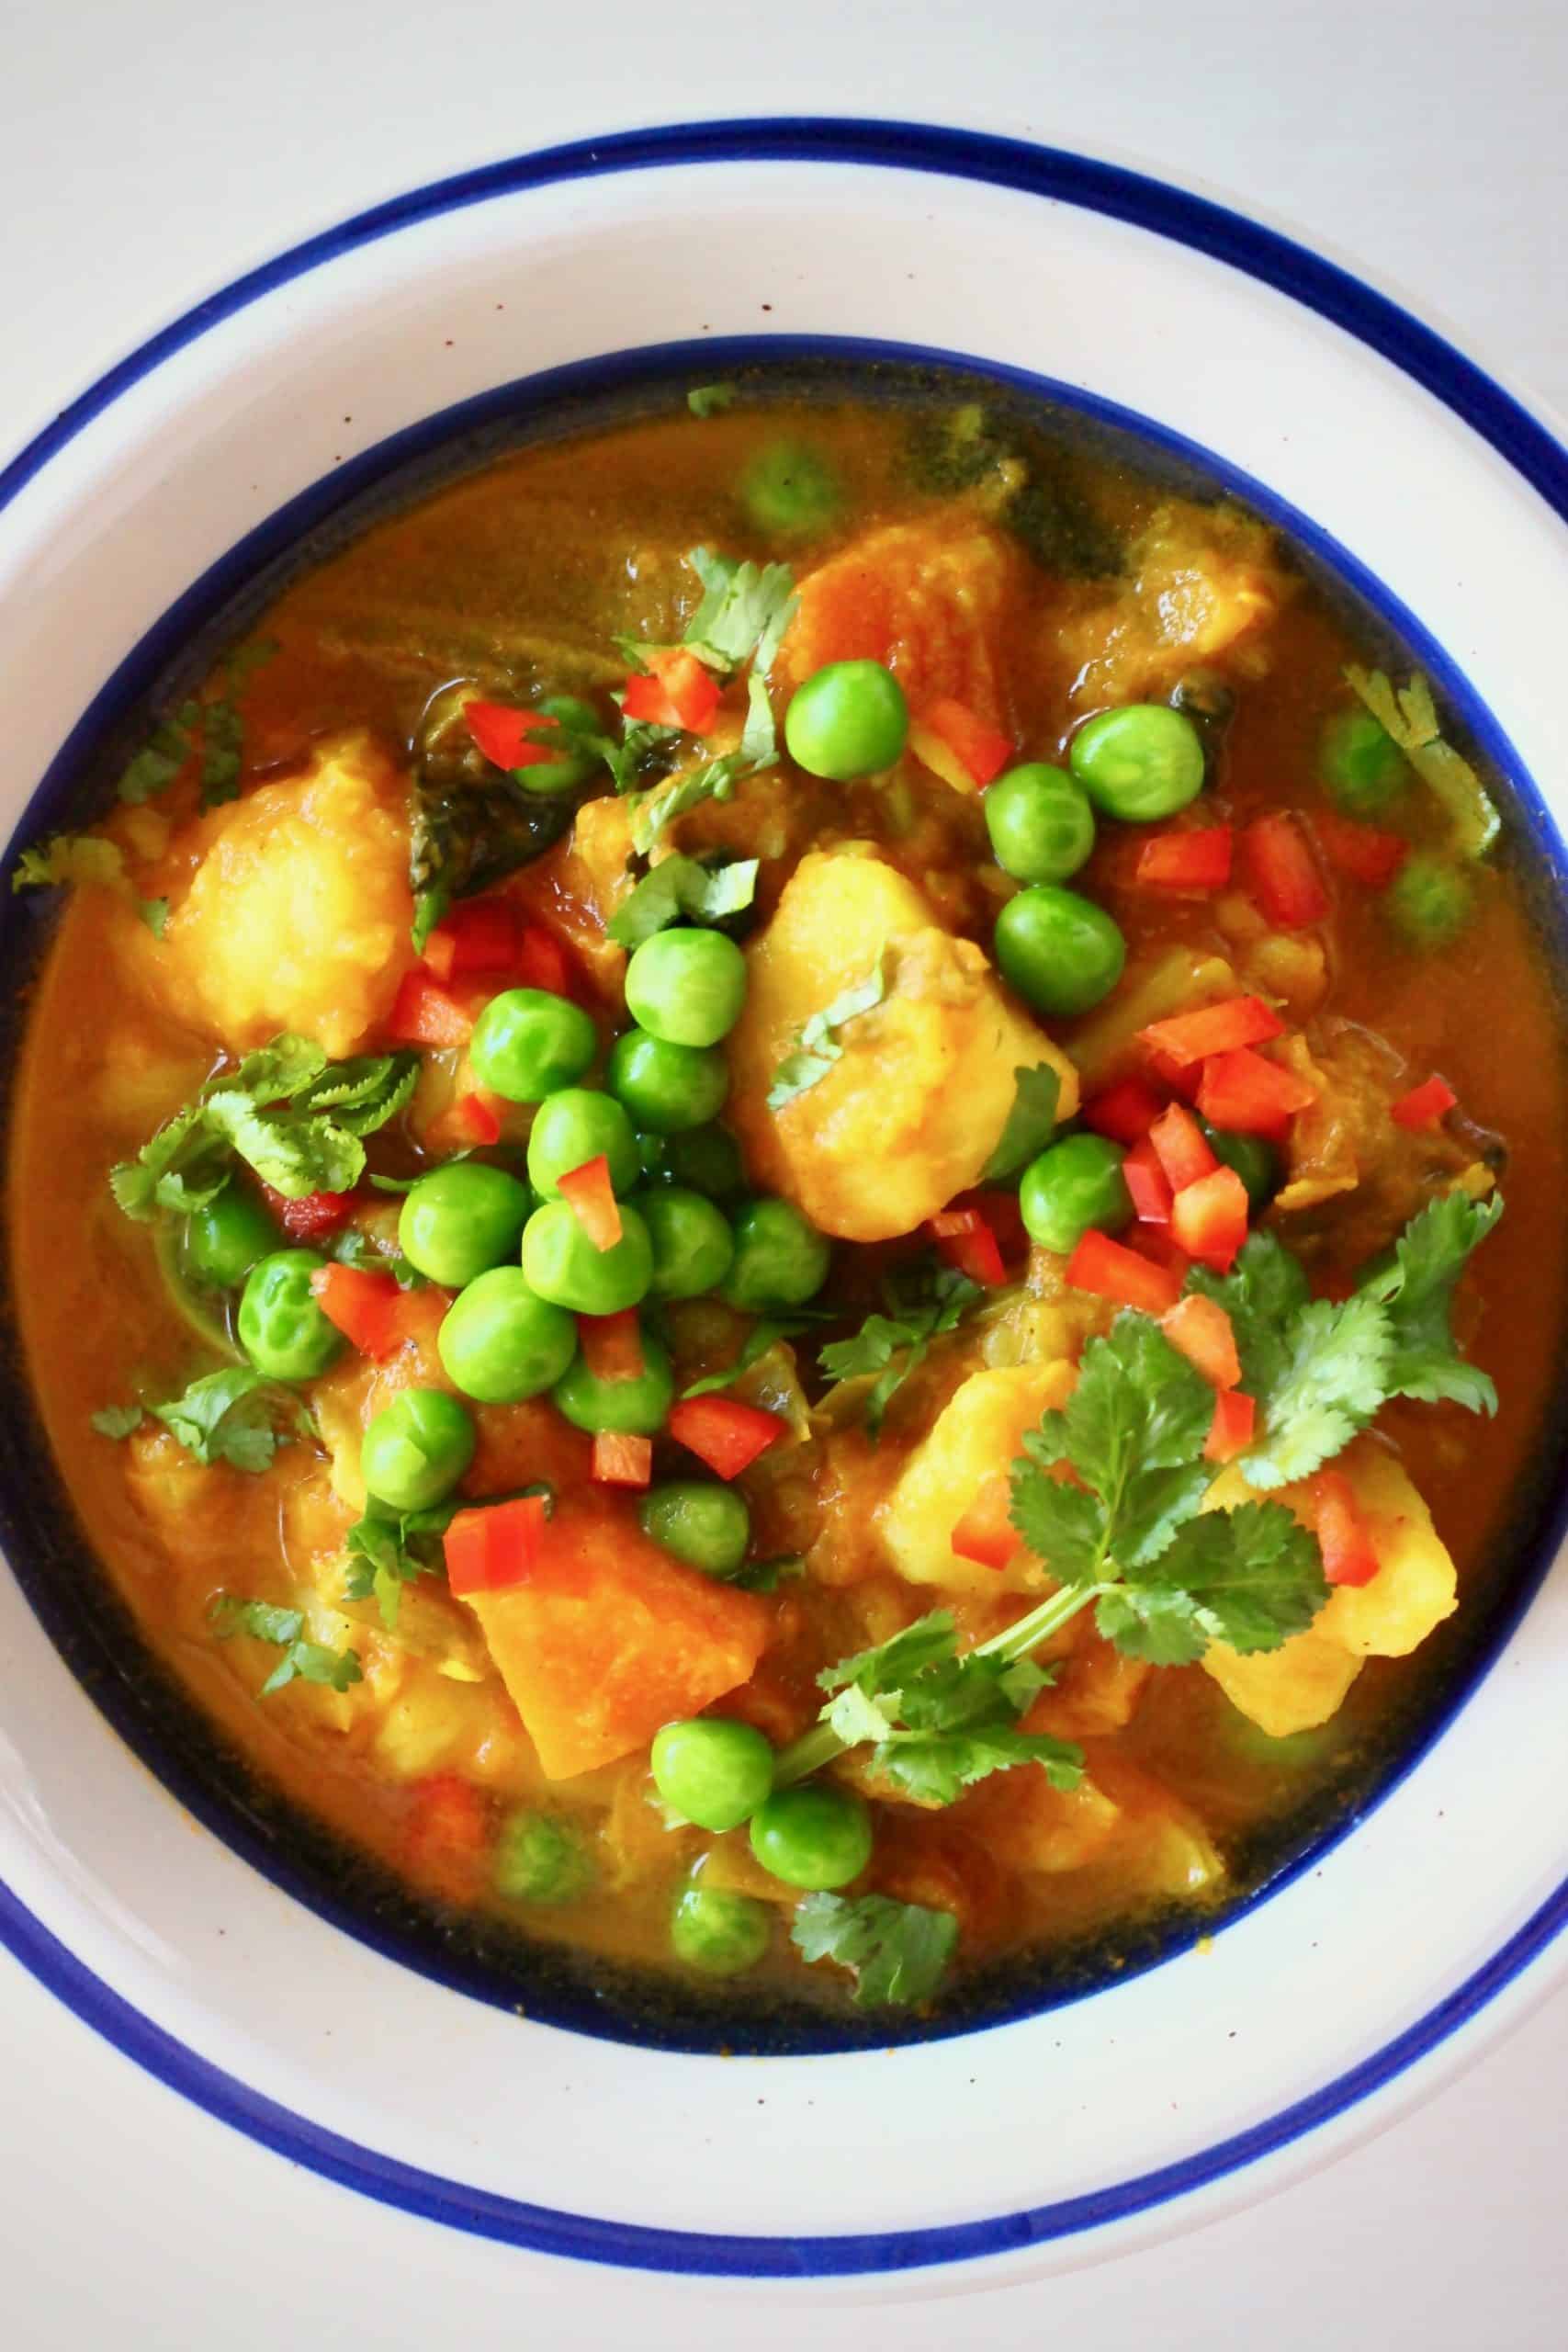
point(1389, 1953)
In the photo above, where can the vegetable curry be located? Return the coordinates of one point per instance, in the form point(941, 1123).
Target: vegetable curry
point(757, 1192)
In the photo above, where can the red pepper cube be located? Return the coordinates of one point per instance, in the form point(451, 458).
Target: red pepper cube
point(1281, 872)
point(425, 1014)
point(496, 1546)
point(1232, 1430)
point(1147, 1185)
point(1199, 1329)
point(967, 1242)
point(986, 1534)
point(1124, 1111)
point(1425, 1104)
point(724, 1432)
point(1188, 865)
point(1107, 1269)
point(310, 1217)
point(1208, 1219)
point(1349, 1555)
point(508, 737)
point(589, 1195)
point(612, 1344)
point(1213, 1029)
point(1181, 1146)
point(365, 1306)
point(1361, 850)
point(621, 1461)
point(1241, 1094)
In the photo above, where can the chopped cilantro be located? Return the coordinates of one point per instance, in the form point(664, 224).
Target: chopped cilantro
point(746, 609)
point(162, 757)
point(678, 887)
point(817, 1047)
point(388, 1549)
point(710, 400)
point(655, 812)
point(898, 1952)
point(229, 1416)
point(1029, 1123)
point(1409, 715)
point(68, 857)
point(117, 1420)
point(353, 1248)
point(922, 1305)
point(154, 914)
point(763, 1336)
point(264, 1622)
point(1416, 1292)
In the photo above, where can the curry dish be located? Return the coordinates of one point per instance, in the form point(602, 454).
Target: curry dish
point(757, 1192)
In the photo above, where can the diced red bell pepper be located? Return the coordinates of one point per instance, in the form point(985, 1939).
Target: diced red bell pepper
point(480, 936)
point(1124, 1111)
point(589, 1195)
point(982, 751)
point(509, 738)
point(1181, 1148)
point(1001, 1213)
point(1147, 1183)
point(621, 1461)
point(1208, 1219)
point(1199, 1329)
point(1216, 1029)
point(1360, 851)
point(425, 1014)
point(1231, 1430)
point(479, 1115)
point(1154, 1242)
point(967, 1242)
point(366, 1308)
point(311, 1217)
point(496, 1546)
point(678, 693)
point(447, 1830)
point(612, 1344)
point(724, 1432)
point(1425, 1104)
point(542, 962)
point(1349, 1555)
point(1108, 1271)
point(1245, 1094)
point(1281, 872)
point(985, 1533)
point(1188, 864)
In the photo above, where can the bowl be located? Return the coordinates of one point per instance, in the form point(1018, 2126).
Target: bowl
point(166, 1918)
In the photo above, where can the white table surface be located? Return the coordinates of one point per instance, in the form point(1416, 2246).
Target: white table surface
point(152, 151)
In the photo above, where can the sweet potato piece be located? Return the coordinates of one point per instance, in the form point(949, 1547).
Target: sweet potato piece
point(927, 598)
point(610, 1638)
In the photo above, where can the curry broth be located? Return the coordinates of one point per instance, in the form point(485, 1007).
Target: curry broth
point(582, 539)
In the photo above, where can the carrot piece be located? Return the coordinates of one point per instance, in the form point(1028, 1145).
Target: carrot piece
point(1349, 1555)
point(612, 1344)
point(489, 1548)
point(1231, 1430)
point(1244, 1094)
point(1281, 872)
point(621, 1461)
point(967, 1242)
point(366, 1308)
point(1216, 1029)
point(1199, 1329)
point(1360, 851)
point(1148, 1184)
point(425, 1014)
point(1425, 1104)
point(589, 1195)
point(982, 751)
point(724, 1432)
point(1186, 864)
point(1182, 1149)
point(1208, 1219)
point(1108, 1271)
point(1124, 1111)
point(985, 1533)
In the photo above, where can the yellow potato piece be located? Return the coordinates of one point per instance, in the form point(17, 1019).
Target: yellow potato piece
point(978, 1433)
point(913, 1108)
point(1301, 1684)
point(298, 913)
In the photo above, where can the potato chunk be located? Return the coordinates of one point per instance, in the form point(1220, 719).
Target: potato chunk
point(298, 913)
point(927, 598)
point(1202, 586)
point(976, 1433)
point(1303, 1683)
point(912, 1110)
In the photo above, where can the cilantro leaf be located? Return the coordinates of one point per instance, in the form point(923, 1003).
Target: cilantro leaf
point(817, 1047)
point(1334, 1377)
point(225, 1417)
point(388, 1549)
point(162, 757)
point(766, 1334)
point(759, 737)
point(1031, 1122)
point(68, 857)
point(656, 810)
point(154, 914)
point(935, 1768)
point(898, 1952)
point(1409, 715)
point(1261, 1293)
point(1416, 1294)
point(1250, 1577)
point(928, 1642)
point(264, 1622)
point(710, 400)
point(921, 1308)
point(681, 887)
point(117, 1420)
point(745, 611)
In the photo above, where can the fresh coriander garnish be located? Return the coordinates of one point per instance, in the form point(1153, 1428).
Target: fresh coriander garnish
point(264, 1622)
point(898, 1952)
point(229, 1415)
point(655, 812)
point(118, 1421)
point(1409, 715)
point(746, 609)
point(1416, 1292)
point(68, 857)
point(388, 1549)
point(763, 1336)
point(921, 1305)
point(818, 1046)
point(710, 400)
point(681, 887)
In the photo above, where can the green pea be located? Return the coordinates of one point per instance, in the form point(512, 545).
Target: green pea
point(573, 1127)
point(1061, 952)
point(712, 1770)
point(701, 1522)
point(1361, 767)
point(1040, 824)
point(225, 1240)
point(849, 720)
point(1255, 1160)
point(789, 492)
point(667, 1088)
point(575, 767)
point(813, 1836)
point(693, 1245)
point(500, 1342)
point(281, 1328)
point(527, 1044)
point(686, 987)
point(634, 1406)
point(461, 1219)
point(563, 1266)
point(539, 1859)
point(1139, 763)
point(780, 1260)
point(721, 1933)
point(702, 1159)
point(1430, 900)
point(1076, 1186)
point(416, 1449)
